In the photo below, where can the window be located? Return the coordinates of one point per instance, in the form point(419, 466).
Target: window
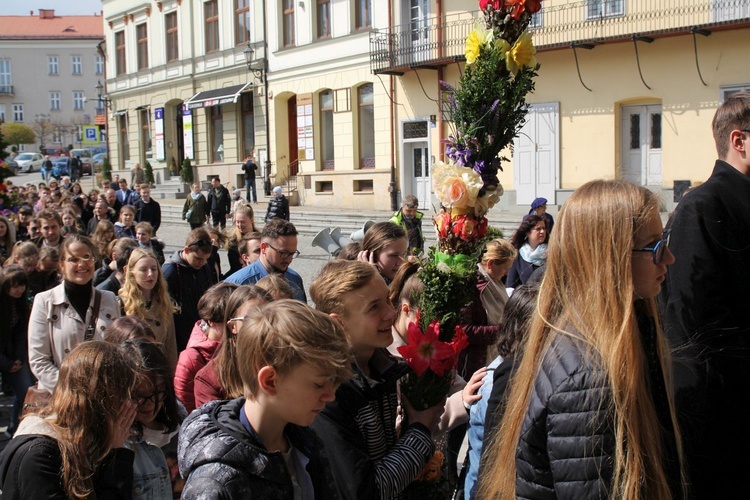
point(99, 64)
point(216, 122)
point(76, 64)
point(241, 21)
point(603, 8)
point(288, 27)
point(170, 21)
point(324, 18)
point(2, 112)
point(141, 35)
point(248, 123)
point(122, 127)
point(366, 125)
point(57, 135)
point(211, 12)
point(6, 77)
point(363, 15)
point(53, 65)
point(78, 100)
point(146, 146)
point(120, 53)
point(54, 101)
point(326, 130)
point(18, 112)
point(726, 91)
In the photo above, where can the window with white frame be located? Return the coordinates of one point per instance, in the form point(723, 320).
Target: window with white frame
point(6, 77)
point(170, 22)
point(76, 64)
point(366, 125)
point(325, 103)
point(604, 8)
point(57, 135)
point(288, 24)
point(2, 112)
point(53, 65)
point(78, 100)
point(324, 18)
point(99, 63)
point(726, 91)
point(54, 101)
point(241, 21)
point(363, 14)
point(141, 35)
point(18, 112)
point(211, 13)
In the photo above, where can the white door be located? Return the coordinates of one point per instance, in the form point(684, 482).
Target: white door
point(419, 162)
point(536, 154)
point(418, 41)
point(640, 128)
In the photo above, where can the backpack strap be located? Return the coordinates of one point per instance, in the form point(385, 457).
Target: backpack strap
point(91, 329)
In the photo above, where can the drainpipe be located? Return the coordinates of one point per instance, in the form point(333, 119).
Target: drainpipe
point(392, 88)
point(267, 173)
point(440, 123)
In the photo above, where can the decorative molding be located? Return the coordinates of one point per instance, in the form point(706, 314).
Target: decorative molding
point(161, 7)
point(111, 25)
point(132, 17)
point(148, 11)
point(125, 19)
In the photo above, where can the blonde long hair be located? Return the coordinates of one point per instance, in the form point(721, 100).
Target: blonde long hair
point(132, 296)
point(588, 286)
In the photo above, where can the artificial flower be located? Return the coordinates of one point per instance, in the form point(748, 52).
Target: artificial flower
point(455, 186)
point(485, 203)
point(443, 224)
point(424, 350)
point(522, 54)
point(496, 4)
point(478, 38)
point(433, 471)
point(460, 340)
point(464, 228)
point(502, 46)
point(444, 268)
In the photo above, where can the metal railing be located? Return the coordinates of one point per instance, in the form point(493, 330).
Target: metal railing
point(438, 41)
point(6, 89)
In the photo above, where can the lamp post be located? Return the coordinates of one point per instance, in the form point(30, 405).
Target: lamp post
point(261, 73)
point(103, 100)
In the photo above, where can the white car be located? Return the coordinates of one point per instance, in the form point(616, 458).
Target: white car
point(29, 162)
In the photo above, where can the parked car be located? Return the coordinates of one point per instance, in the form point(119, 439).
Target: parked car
point(11, 164)
point(60, 167)
point(95, 150)
point(29, 162)
point(53, 151)
point(98, 160)
point(86, 158)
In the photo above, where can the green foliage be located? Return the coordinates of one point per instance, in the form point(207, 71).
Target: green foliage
point(493, 233)
point(18, 133)
point(186, 173)
point(3, 145)
point(106, 169)
point(149, 172)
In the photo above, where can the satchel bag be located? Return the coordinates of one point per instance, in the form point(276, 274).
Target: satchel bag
point(37, 398)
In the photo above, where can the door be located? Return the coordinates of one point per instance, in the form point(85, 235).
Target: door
point(417, 39)
point(640, 128)
point(293, 142)
point(536, 154)
point(420, 169)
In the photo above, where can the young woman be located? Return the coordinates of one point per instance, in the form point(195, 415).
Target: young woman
point(124, 227)
point(195, 210)
point(14, 319)
point(368, 457)
point(68, 314)
point(7, 237)
point(384, 247)
point(244, 223)
point(103, 235)
point(144, 295)
point(220, 378)
point(74, 448)
point(203, 341)
point(590, 411)
point(156, 421)
point(529, 239)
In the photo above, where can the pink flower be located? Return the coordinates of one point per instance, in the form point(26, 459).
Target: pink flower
point(424, 350)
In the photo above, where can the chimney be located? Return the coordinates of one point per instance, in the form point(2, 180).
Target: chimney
point(46, 13)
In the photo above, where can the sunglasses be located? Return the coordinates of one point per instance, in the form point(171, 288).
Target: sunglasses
point(659, 248)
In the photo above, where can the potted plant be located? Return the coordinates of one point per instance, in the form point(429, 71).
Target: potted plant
point(186, 172)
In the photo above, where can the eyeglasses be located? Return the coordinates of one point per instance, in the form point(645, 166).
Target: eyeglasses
point(77, 260)
point(745, 130)
point(659, 248)
point(154, 398)
point(285, 255)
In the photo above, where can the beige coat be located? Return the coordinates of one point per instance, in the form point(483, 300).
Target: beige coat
point(165, 334)
point(55, 329)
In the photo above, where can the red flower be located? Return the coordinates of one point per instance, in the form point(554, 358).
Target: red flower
point(424, 350)
point(496, 4)
point(482, 227)
point(533, 6)
point(460, 340)
point(443, 224)
point(468, 228)
point(521, 6)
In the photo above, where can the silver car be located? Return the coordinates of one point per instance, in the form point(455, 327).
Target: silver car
point(29, 162)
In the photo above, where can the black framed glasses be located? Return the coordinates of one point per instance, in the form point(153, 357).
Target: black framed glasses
point(285, 255)
point(155, 398)
point(657, 249)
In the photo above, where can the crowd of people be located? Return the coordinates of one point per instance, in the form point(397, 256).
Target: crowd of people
point(142, 376)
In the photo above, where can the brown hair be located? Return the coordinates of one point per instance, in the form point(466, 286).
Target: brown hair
point(277, 286)
point(288, 333)
point(380, 235)
point(406, 286)
point(733, 114)
point(527, 224)
point(213, 304)
point(128, 328)
point(337, 278)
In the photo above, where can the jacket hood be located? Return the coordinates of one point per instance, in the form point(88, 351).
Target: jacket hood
point(201, 343)
point(176, 258)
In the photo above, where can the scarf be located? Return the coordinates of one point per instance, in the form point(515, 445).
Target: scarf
point(535, 257)
point(493, 297)
point(195, 195)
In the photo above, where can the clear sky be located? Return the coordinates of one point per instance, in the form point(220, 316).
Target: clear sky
point(62, 7)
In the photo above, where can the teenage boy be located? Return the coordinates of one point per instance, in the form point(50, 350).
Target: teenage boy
point(219, 203)
point(188, 277)
point(293, 359)
point(147, 209)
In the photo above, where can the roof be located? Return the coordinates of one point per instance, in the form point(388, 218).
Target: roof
point(58, 27)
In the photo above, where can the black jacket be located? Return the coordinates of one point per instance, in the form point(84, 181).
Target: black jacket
point(30, 468)
point(220, 459)
point(708, 324)
point(149, 212)
point(219, 200)
point(359, 432)
point(13, 340)
point(186, 286)
point(520, 272)
point(111, 284)
point(278, 208)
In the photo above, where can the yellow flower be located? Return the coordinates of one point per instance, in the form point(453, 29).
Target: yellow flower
point(502, 46)
point(522, 54)
point(478, 38)
point(456, 186)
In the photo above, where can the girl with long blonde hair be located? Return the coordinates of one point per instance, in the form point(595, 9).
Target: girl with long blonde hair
point(590, 412)
point(144, 295)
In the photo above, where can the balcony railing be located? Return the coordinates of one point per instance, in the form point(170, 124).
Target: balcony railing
point(438, 41)
point(6, 89)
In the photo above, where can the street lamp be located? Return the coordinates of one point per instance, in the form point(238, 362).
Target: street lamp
point(249, 53)
point(100, 96)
